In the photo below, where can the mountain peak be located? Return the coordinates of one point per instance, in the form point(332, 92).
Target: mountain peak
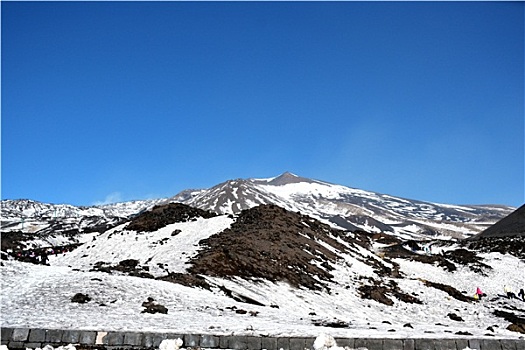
point(288, 178)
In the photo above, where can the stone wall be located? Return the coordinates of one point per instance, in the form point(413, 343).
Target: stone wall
point(22, 338)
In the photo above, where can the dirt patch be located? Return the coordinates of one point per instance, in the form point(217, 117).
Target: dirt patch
point(163, 215)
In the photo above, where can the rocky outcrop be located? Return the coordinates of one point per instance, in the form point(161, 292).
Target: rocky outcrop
point(163, 215)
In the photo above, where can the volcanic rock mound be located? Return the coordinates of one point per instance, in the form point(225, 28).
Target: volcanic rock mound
point(163, 215)
point(268, 242)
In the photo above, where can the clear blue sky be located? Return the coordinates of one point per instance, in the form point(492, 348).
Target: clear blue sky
point(114, 101)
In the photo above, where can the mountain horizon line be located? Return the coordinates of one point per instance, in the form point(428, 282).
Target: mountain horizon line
point(286, 177)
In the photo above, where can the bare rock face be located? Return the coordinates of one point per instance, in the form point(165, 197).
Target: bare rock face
point(163, 215)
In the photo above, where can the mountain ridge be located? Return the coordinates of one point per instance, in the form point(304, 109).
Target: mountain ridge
point(339, 206)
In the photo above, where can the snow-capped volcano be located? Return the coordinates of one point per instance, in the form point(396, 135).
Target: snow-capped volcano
point(339, 206)
point(346, 207)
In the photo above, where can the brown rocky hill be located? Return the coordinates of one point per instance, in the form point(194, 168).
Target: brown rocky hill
point(269, 242)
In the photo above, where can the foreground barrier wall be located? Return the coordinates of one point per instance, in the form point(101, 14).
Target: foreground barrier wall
point(22, 338)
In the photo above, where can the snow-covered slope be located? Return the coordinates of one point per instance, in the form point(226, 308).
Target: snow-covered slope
point(58, 224)
point(368, 288)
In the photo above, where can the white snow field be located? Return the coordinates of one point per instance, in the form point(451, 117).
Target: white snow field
point(38, 296)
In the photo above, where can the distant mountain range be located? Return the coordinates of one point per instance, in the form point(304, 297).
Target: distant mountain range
point(339, 206)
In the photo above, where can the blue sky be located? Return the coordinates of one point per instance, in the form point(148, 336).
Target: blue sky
point(114, 101)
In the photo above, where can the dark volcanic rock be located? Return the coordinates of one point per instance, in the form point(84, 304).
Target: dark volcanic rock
point(504, 245)
point(455, 317)
point(152, 308)
point(80, 298)
point(269, 242)
point(188, 280)
point(163, 215)
point(378, 291)
point(453, 292)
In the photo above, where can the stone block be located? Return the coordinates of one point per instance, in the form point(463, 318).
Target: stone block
point(370, 344)
point(491, 344)
point(16, 345)
point(425, 344)
point(297, 343)
point(191, 340)
point(445, 344)
point(209, 341)
point(393, 344)
point(253, 343)
point(269, 343)
point(374, 344)
point(508, 344)
point(54, 335)
point(152, 340)
point(37, 335)
point(461, 344)
point(33, 345)
point(224, 340)
point(283, 343)
point(114, 338)
point(309, 343)
point(242, 343)
point(342, 342)
point(132, 338)
point(87, 337)
point(409, 344)
point(6, 334)
point(71, 337)
point(474, 344)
